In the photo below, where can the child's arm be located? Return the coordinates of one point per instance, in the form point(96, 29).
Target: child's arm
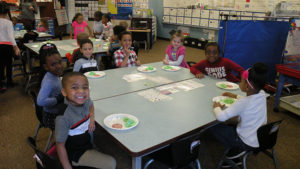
point(177, 62)
point(63, 156)
point(197, 70)
point(234, 110)
point(90, 31)
point(235, 67)
point(92, 119)
point(44, 98)
point(71, 31)
point(232, 95)
point(127, 54)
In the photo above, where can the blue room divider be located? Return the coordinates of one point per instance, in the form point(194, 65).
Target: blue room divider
point(248, 42)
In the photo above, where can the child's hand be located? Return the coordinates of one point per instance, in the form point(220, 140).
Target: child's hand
point(228, 94)
point(91, 125)
point(217, 104)
point(138, 63)
point(165, 61)
point(127, 50)
point(199, 75)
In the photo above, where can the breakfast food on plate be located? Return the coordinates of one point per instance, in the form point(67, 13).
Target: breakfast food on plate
point(117, 126)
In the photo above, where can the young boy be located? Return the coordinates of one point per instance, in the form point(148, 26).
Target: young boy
point(98, 27)
point(76, 52)
point(125, 57)
point(72, 128)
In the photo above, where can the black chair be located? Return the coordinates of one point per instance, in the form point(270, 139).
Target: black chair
point(47, 161)
point(181, 153)
point(267, 137)
point(190, 63)
point(39, 115)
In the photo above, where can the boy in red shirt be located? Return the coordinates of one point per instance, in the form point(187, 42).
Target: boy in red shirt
point(216, 66)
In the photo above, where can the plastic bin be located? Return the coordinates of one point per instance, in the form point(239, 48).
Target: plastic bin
point(291, 103)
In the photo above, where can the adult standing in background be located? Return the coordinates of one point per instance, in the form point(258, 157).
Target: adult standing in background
point(28, 10)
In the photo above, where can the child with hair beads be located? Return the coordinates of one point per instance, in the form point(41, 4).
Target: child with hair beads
point(79, 25)
point(43, 25)
point(216, 66)
point(73, 128)
point(107, 27)
point(175, 52)
point(50, 97)
point(250, 110)
point(98, 27)
point(125, 57)
point(86, 63)
point(7, 46)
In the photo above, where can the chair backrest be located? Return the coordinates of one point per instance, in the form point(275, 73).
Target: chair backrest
point(47, 161)
point(267, 135)
point(185, 150)
point(38, 109)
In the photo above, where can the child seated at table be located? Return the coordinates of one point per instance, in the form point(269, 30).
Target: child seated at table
point(76, 52)
point(251, 111)
point(216, 66)
point(42, 25)
point(30, 36)
point(107, 27)
point(175, 52)
point(98, 27)
point(50, 97)
point(86, 63)
point(108, 61)
point(73, 127)
point(17, 26)
point(125, 56)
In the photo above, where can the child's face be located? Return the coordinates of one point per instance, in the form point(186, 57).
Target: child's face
point(97, 18)
point(104, 20)
point(14, 21)
point(76, 90)
point(126, 41)
point(212, 54)
point(54, 65)
point(115, 37)
point(87, 50)
point(176, 42)
point(79, 19)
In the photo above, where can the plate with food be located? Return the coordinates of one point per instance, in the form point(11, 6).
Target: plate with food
point(121, 121)
point(146, 69)
point(171, 68)
point(227, 85)
point(94, 74)
point(224, 100)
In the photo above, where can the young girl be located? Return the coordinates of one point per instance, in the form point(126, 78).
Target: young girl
point(7, 46)
point(107, 27)
point(125, 57)
point(251, 111)
point(175, 51)
point(86, 63)
point(79, 25)
point(42, 26)
point(50, 97)
point(216, 66)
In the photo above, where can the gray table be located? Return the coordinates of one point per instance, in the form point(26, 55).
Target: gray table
point(112, 83)
point(160, 123)
point(42, 35)
point(65, 46)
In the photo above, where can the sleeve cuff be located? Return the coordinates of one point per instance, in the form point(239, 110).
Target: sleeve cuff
point(239, 97)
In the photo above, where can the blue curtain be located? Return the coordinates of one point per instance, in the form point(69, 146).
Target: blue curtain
point(248, 42)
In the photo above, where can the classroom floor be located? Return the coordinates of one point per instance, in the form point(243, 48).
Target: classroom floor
point(18, 121)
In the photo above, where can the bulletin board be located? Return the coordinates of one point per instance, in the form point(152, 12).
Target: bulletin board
point(61, 16)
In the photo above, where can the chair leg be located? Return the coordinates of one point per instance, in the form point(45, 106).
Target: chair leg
point(198, 164)
point(222, 159)
point(274, 158)
point(27, 83)
point(48, 142)
point(36, 131)
point(245, 159)
point(148, 163)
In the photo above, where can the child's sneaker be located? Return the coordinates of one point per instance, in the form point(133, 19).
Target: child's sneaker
point(234, 153)
point(236, 161)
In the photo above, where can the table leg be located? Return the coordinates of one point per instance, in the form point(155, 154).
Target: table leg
point(28, 59)
point(279, 89)
point(148, 40)
point(137, 162)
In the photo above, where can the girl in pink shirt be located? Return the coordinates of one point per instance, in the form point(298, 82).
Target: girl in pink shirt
point(175, 52)
point(79, 25)
point(42, 26)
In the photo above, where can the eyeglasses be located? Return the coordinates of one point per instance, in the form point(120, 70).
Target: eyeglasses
point(245, 75)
